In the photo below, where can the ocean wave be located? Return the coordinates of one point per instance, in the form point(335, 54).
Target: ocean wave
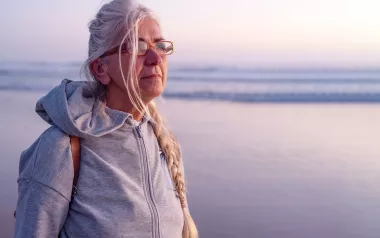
point(283, 80)
point(270, 97)
point(220, 83)
point(279, 97)
point(25, 87)
point(4, 72)
point(337, 71)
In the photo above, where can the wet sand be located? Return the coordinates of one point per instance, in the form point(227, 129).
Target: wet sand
point(253, 170)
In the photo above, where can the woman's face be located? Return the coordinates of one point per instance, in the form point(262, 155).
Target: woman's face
point(151, 68)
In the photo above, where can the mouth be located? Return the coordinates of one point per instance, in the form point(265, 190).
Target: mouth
point(152, 76)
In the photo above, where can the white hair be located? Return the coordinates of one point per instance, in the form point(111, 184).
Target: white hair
point(116, 22)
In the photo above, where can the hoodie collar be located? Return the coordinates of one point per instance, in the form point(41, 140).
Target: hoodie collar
point(77, 112)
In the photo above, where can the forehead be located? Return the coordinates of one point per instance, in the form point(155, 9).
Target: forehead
point(149, 30)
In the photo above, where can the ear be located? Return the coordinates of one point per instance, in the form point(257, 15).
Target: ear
point(99, 69)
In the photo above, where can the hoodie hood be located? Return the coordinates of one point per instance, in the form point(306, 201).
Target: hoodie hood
point(72, 107)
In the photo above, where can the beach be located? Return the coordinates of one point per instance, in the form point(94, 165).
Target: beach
point(256, 170)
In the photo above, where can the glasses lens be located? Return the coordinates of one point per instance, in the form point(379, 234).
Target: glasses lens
point(164, 47)
point(142, 48)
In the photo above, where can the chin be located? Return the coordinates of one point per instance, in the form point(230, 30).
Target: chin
point(151, 88)
point(148, 96)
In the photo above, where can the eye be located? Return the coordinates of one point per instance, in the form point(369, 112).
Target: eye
point(165, 47)
point(161, 46)
point(142, 47)
point(124, 48)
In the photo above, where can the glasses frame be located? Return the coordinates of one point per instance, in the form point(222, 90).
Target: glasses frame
point(124, 47)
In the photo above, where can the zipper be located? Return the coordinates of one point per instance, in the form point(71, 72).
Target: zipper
point(149, 188)
point(138, 128)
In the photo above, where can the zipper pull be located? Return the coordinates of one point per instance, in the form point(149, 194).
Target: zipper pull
point(139, 131)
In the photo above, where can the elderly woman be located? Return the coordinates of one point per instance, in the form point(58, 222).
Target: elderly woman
point(130, 179)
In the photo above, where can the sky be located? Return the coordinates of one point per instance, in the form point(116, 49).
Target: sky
point(323, 33)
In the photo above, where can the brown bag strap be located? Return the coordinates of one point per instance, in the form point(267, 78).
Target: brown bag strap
point(75, 151)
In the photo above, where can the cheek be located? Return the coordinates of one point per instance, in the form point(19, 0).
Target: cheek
point(139, 66)
point(114, 68)
point(164, 67)
point(164, 70)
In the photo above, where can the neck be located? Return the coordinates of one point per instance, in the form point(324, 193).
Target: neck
point(117, 99)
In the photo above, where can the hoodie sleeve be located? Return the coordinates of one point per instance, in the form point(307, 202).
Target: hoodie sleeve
point(41, 211)
point(44, 186)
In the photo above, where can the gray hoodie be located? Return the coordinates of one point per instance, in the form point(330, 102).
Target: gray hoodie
point(124, 188)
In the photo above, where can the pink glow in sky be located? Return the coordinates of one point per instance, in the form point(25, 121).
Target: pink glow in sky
point(258, 32)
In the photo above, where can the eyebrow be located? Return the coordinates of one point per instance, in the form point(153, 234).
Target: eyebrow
point(155, 40)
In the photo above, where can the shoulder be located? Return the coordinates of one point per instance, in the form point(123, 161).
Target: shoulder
point(48, 161)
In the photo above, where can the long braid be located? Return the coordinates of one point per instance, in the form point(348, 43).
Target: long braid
point(171, 149)
point(116, 21)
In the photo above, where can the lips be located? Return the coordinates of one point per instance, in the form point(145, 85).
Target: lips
point(152, 76)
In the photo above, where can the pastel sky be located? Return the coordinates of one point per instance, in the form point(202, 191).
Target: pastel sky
point(239, 32)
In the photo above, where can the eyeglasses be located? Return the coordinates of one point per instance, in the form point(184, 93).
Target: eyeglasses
point(162, 47)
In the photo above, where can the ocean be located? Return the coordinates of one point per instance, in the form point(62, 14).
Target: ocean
point(268, 153)
point(222, 83)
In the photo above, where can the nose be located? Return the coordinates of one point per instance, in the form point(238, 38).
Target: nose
point(152, 58)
